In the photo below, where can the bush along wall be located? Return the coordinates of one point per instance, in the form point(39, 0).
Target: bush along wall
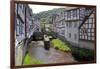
point(58, 44)
point(81, 54)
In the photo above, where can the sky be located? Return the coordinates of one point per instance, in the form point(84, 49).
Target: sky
point(40, 8)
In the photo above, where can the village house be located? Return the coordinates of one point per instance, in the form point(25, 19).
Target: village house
point(25, 26)
point(87, 30)
point(59, 24)
point(19, 22)
point(19, 32)
point(37, 24)
point(30, 25)
point(76, 24)
point(72, 19)
point(80, 27)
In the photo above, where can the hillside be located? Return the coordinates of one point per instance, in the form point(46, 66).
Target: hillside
point(47, 15)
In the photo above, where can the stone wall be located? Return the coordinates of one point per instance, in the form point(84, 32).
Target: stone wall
point(87, 44)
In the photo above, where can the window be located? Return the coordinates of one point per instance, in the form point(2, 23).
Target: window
point(75, 13)
point(80, 37)
point(67, 24)
point(63, 32)
point(92, 34)
point(82, 11)
point(71, 12)
point(80, 33)
point(89, 38)
point(89, 34)
point(69, 35)
point(16, 8)
point(21, 28)
point(70, 24)
point(90, 25)
point(61, 23)
point(75, 24)
point(23, 9)
point(17, 27)
point(75, 36)
point(19, 5)
point(90, 20)
point(68, 14)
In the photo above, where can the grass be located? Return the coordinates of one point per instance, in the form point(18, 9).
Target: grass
point(58, 44)
point(29, 61)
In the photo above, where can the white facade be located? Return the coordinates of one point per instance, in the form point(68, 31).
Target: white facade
point(67, 24)
point(19, 22)
point(29, 22)
point(59, 24)
point(74, 17)
point(24, 28)
point(72, 24)
point(25, 23)
point(37, 24)
point(71, 32)
point(87, 33)
point(19, 32)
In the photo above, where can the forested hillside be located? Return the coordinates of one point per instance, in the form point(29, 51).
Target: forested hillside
point(47, 15)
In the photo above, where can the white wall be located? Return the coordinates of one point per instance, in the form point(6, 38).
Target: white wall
point(5, 33)
point(73, 30)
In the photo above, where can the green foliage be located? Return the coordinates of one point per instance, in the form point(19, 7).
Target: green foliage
point(29, 61)
point(81, 54)
point(47, 15)
point(57, 43)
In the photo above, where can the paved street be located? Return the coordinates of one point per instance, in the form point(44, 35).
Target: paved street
point(37, 50)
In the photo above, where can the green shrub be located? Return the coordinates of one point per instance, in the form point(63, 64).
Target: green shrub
point(57, 43)
point(29, 61)
point(81, 54)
